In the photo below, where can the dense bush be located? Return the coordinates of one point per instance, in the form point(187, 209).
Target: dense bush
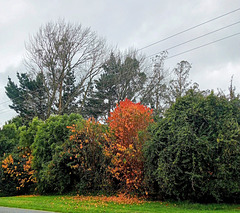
point(16, 166)
point(48, 141)
point(86, 157)
point(194, 151)
point(27, 133)
point(9, 137)
point(78, 163)
point(18, 175)
point(128, 124)
point(68, 155)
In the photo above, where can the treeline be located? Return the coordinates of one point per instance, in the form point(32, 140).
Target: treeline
point(81, 129)
point(191, 153)
point(69, 69)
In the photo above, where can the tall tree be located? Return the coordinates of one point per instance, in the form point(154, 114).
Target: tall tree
point(155, 93)
point(181, 83)
point(106, 92)
point(122, 77)
point(58, 50)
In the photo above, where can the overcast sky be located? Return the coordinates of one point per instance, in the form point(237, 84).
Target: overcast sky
point(130, 23)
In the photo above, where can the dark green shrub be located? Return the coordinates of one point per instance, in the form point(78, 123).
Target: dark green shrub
point(50, 137)
point(7, 184)
point(9, 138)
point(194, 152)
point(16, 140)
point(28, 133)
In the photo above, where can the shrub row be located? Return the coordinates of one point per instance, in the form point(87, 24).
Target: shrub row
point(191, 153)
point(67, 153)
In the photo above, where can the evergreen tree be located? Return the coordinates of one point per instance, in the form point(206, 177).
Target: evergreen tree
point(93, 106)
point(29, 98)
point(121, 78)
point(69, 88)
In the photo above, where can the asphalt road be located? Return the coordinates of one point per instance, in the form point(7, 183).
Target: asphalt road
point(15, 210)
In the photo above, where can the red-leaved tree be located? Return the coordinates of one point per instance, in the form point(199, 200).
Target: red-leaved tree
point(128, 124)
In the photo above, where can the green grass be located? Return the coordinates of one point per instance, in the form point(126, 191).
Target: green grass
point(69, 204)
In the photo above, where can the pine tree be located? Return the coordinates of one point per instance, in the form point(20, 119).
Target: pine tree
point(29, 98)
point(69, 88)
point(121, 78)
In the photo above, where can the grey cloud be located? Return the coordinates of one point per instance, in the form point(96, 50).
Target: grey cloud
point(136, 23)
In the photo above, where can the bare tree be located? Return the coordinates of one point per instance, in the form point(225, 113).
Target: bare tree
point(156, 91)
point(131, 76)
point(232, 95)
point(181, 83)
point(232, 90)
point(59, 48)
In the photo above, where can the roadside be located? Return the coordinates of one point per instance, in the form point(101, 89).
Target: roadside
point(16, 210)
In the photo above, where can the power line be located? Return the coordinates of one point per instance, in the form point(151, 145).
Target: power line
point(201, 36)
point(174, 35)
point(181, 32)
point(202, 46)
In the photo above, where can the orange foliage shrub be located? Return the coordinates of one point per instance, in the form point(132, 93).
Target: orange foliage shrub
point(20, 169)
point(85, 151)
point(128, 125)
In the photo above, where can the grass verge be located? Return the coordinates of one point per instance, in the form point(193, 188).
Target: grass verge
point(109, 204)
